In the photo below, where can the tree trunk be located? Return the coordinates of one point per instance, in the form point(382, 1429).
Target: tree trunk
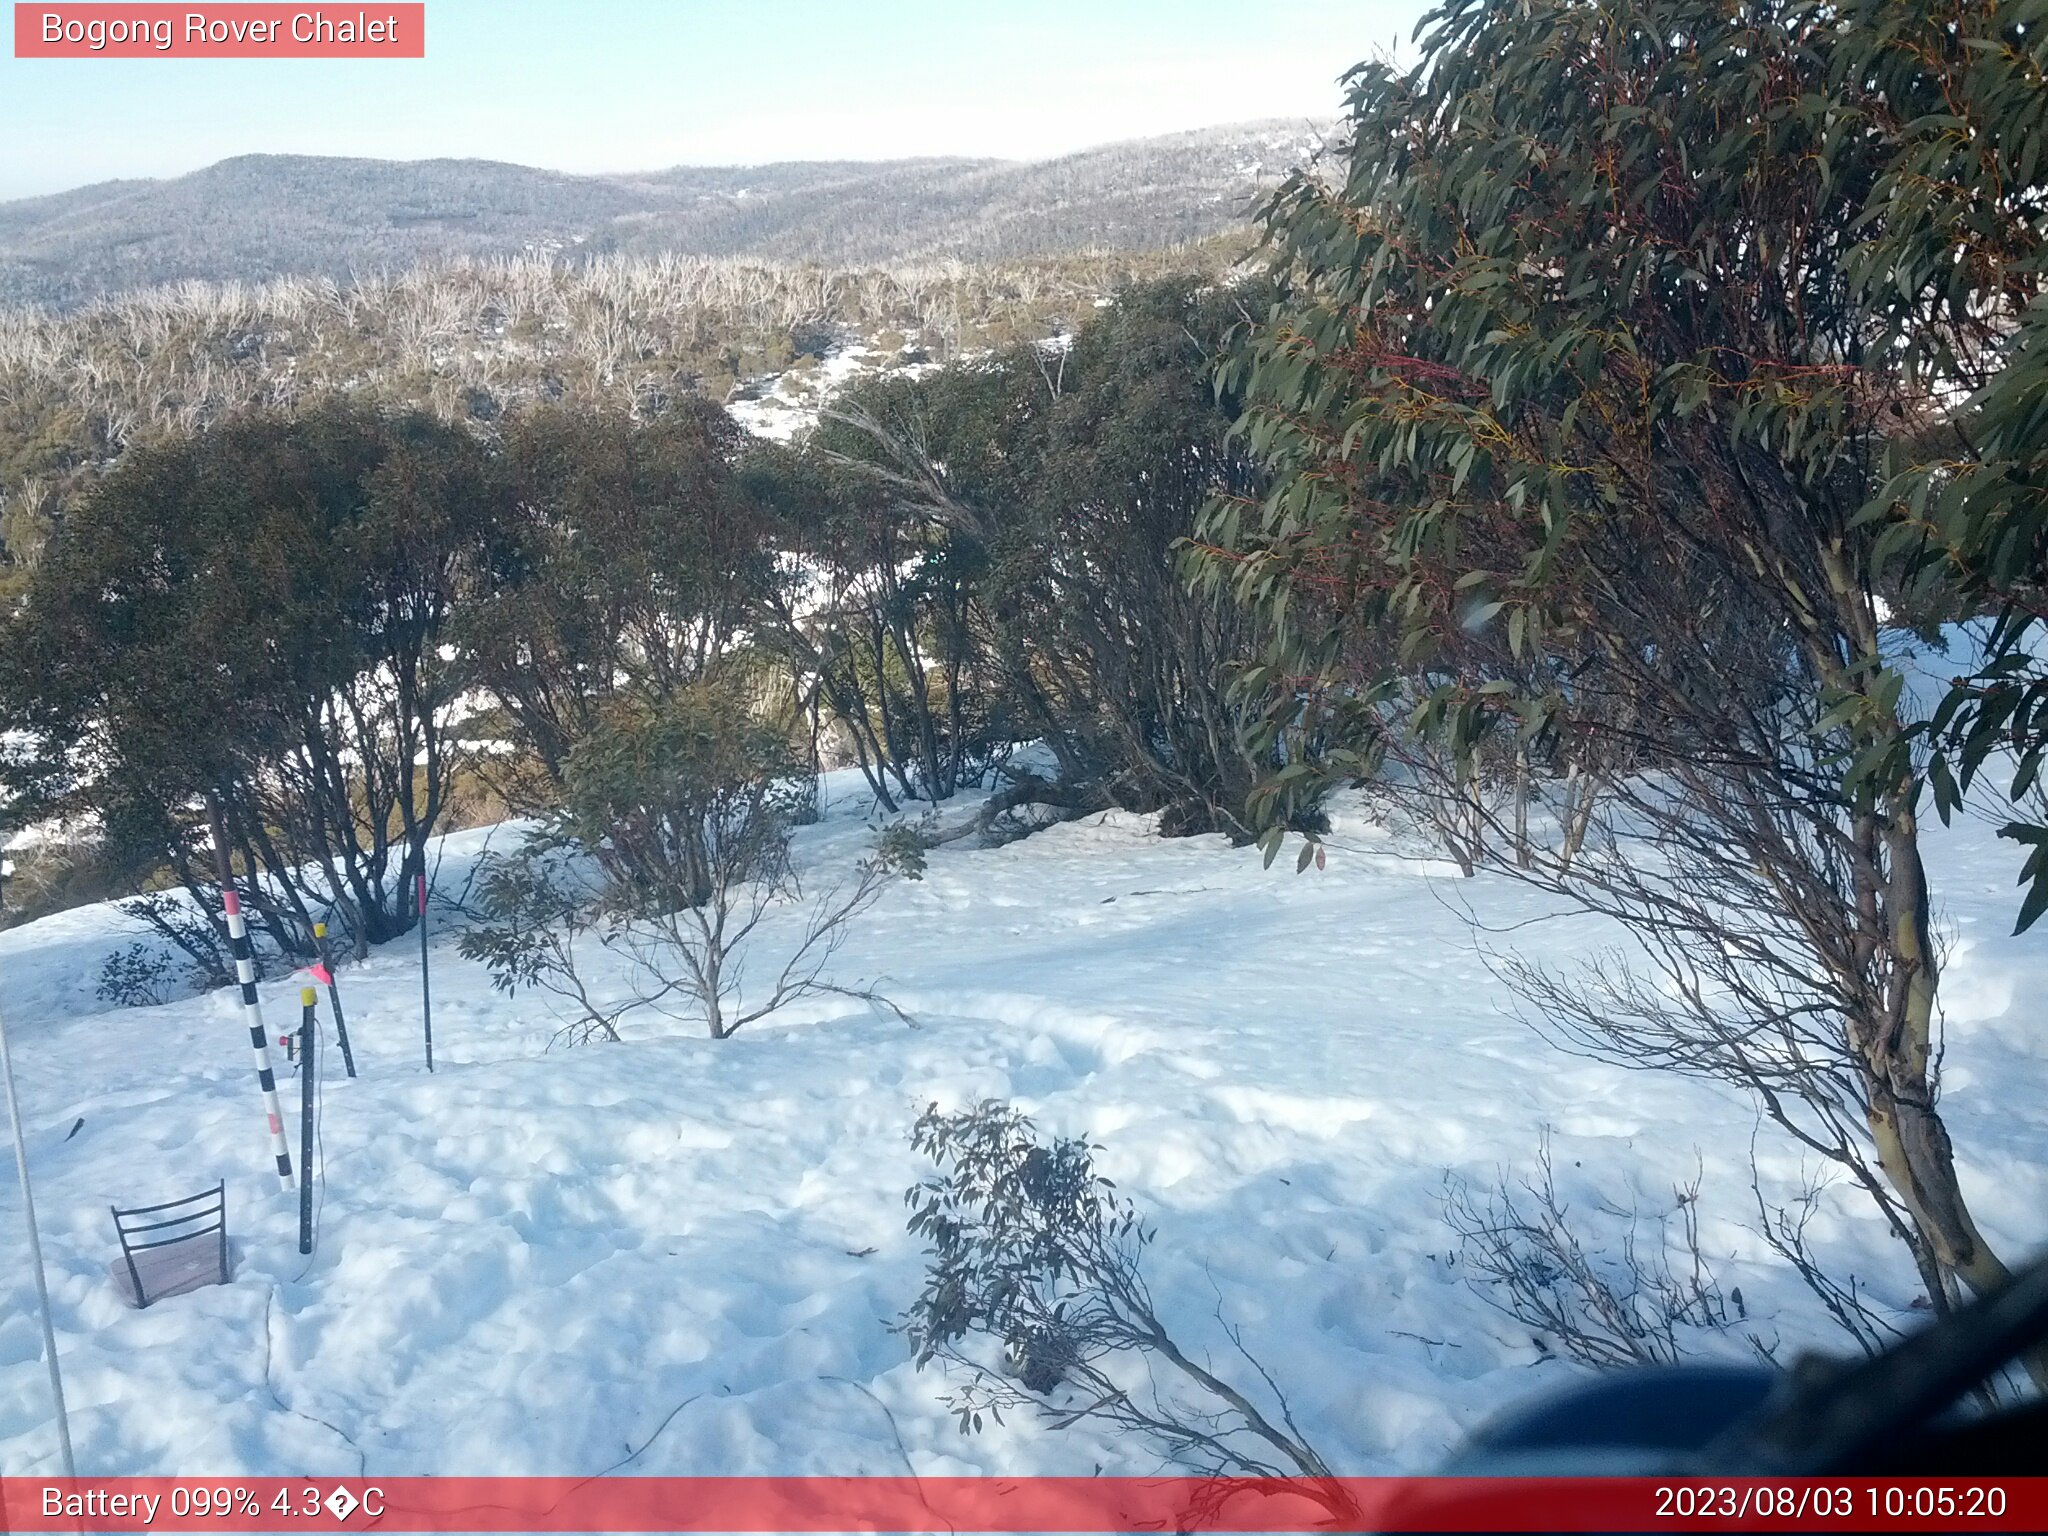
point(1524, 859)
point(714, 1014)
point(1586, 789)
point(1913, 1145)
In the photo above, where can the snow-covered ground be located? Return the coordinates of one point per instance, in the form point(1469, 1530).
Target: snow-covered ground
point(785, 405)
point(528, 1260)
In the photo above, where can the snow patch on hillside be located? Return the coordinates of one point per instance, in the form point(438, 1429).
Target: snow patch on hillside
point(783, 406)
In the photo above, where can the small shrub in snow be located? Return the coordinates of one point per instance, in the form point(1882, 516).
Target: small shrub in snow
point(535, 920)
point(1641, 1304)
point(201, 941)
point(686, 810)
point(903, 846)
point(135, 977)
point(1034, 1262)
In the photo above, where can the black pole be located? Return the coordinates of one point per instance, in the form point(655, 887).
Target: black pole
point(426, 990)
point(306, 1069)
point(348, 1059)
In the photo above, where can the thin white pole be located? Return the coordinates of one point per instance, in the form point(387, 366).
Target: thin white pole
point(35, 1253)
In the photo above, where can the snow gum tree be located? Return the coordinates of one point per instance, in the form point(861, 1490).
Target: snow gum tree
point(255, 613)
point(624, 561)
point(879, 627)
point(1580, 408)
point(997, 545)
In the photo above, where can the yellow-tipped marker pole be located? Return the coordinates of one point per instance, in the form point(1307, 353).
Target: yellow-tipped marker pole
point(307, 1026)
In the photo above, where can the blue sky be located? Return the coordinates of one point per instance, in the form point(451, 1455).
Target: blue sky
point(638, 84)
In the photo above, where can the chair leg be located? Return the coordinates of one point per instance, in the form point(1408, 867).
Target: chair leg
point(134, 1274)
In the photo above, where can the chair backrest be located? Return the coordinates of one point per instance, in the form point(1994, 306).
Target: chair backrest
point(174, 1246)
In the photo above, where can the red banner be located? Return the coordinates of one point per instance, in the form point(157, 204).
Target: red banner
point(965, 1505)
point(103, 31)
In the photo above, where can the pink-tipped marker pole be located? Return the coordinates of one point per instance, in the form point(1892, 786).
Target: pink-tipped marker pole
point(426, 988)
point(324, 972)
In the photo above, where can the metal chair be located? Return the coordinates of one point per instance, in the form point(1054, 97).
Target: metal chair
point(177, 1246)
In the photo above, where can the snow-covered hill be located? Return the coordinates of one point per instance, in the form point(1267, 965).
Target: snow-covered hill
point(257, 217)
point(528, 1260)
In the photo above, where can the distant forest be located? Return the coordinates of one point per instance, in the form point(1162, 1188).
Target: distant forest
point(468, 339)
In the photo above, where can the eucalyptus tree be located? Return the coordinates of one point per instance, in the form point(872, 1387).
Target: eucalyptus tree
point(623, 564)
point(1001, 538)
point(1580, 409)
point(256, 614)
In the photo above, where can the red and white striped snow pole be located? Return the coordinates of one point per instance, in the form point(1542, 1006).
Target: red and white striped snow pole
point(252, 1008)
